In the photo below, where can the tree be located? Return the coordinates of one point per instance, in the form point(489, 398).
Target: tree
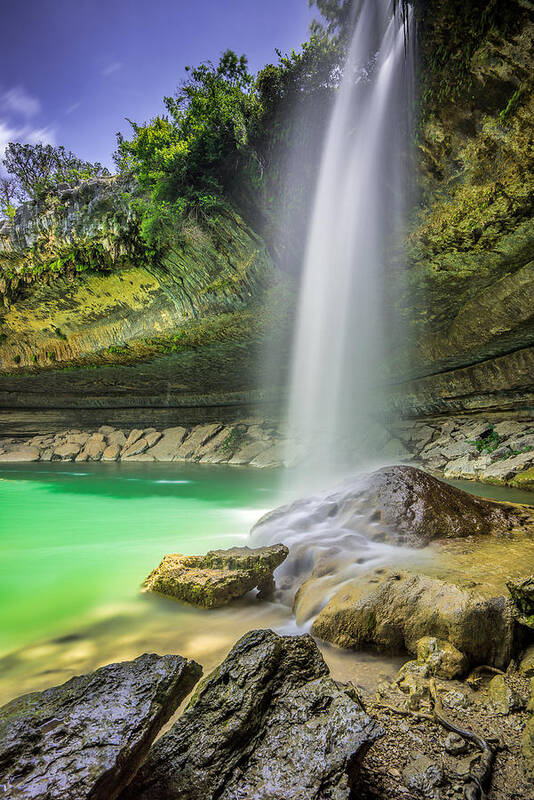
point(194, 149)
point(37, 168)
point(7, 196)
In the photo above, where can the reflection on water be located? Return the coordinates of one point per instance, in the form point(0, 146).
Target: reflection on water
point(75, 546)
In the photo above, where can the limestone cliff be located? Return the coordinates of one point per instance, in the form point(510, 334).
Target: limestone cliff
point(471, 246)
point(93, 320)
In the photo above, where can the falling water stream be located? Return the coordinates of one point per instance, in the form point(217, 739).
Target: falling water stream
point(340, 338)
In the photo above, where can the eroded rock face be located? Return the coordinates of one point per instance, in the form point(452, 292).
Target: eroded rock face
point(522, 593)
point(400, 504)
point(87, 738)
point(218, 577)
point(267, 723)
point(403, 608)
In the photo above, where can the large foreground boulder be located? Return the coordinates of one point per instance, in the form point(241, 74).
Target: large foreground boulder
point(87, 738)
point(267, 723)
point(218, 577)
point(399, 504)
point(404, 607)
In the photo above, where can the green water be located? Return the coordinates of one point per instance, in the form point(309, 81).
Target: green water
point(77, 540)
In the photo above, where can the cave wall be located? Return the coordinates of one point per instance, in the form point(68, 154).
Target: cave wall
point(469, 294)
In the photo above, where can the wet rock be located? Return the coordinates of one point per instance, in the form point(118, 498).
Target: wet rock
point(404, 607)
point(400, 504)
point(422, 775)
point(139, 457)
point(441, 657)
point(522, 593)
point(502, 471)
point(267, 723)
point(87, 738)
point(503, 698)
point(218, 577)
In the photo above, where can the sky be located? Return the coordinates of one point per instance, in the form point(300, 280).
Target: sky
point(71, 71)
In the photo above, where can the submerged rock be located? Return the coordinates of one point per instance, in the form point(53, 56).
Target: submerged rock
point(218, 577)
point(399, 504)
point(404, 607)
point(87, 738)
point(267, 723)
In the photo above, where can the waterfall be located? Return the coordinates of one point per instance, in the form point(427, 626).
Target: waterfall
point(341, 337)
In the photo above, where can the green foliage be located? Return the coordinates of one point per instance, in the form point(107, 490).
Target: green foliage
point(512, 104)
point(489, 442)
point(7, 196)
point(117, 349)
point(235, 439)
point(190, 153)
point(449, 32)
point(36, 169)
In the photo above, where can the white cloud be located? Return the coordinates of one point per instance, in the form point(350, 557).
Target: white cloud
point(17, 100)
point(72, 108)
point(111, 68)
point(25, 133)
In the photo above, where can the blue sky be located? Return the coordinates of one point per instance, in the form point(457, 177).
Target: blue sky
point(72, 70)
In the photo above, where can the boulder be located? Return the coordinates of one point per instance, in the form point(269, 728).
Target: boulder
point(117, 437)
point(87, 738)
point(267, 723)
point(94, 447)
point(248, 452)
point(152, 437)
point(218, 577)
point(405, 607)
point(111, 453)
point(168, 445)
point(139, 446)
point(67, 451)
point(106, 430)
point(133, 436)
point(503, 697)
point(399, 504)
point(441, 658)
point(22, 454)
point(197, 439)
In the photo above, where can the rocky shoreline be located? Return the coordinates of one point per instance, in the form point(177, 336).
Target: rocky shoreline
point(490, 449)
point(455, 723)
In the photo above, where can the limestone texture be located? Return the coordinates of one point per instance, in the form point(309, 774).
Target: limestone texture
point(218, 577)
point(405, 607)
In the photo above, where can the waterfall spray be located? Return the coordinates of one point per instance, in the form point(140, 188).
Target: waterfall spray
point(340, 343)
